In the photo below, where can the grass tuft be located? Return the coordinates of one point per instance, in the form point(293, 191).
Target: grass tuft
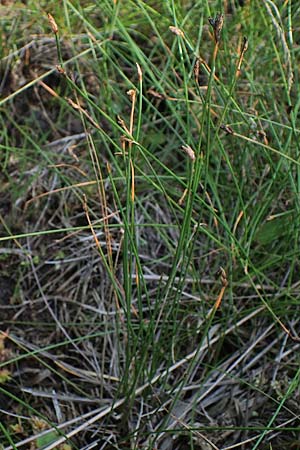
point(149, 222)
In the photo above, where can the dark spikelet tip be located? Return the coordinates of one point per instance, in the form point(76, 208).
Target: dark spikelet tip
point(217, 25)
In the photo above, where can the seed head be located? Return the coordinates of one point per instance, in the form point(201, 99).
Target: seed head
point(53, 24)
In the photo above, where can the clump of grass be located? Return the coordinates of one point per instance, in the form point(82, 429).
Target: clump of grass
point(150, 226)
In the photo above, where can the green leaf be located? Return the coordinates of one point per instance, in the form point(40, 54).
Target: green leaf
point(274, 229)
point(47, 439)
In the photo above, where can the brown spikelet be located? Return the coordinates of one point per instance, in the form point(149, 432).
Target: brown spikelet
point(189, 151)
point(176, 31)
point(140, 73)
point(53, 24)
